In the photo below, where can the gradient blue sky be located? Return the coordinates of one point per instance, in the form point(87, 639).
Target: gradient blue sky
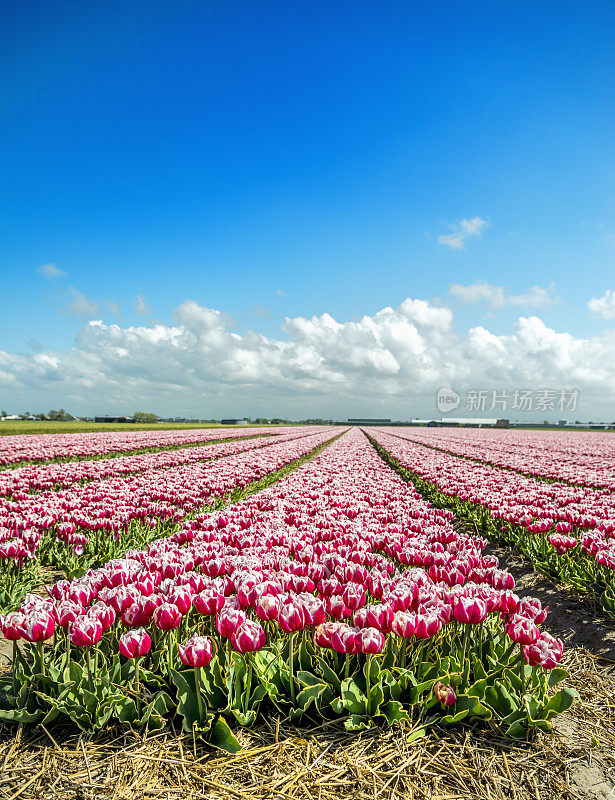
point(278, 159)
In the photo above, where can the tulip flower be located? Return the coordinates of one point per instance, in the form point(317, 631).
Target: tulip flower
point(167, 617)
point(445, 694)
point(12, 625)
point(208, 602)
point(521, 630)
point(248, 637)
point(546, 651)
point(337, 608)
point(370, 640)
point(85, 631)
point(196, 651)
point(135, 643)
point(323, 633)
point(469, 611)
point(290, 617)
point(229, 621)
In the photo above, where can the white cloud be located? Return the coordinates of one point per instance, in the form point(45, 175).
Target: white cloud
point(462, 230)
point(391, 362)
point(141, 308)
point(78, 305)
point(51, 271)
point(496, 297)
point(280, 292)
point(604, 306)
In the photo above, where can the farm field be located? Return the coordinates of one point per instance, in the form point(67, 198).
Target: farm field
point(317, 612)
point(19, 427)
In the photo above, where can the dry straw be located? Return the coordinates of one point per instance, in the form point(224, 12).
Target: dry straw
point(324, 762)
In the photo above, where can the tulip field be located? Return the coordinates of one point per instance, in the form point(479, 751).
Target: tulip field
point(318, 575)
point(565, 528)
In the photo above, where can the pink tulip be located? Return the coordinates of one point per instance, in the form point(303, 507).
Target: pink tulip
point(337, 608)
point(404, 624)
point(135, 643)
point(229, 621)
point(181, 597)
point(290, 617)
point(208, 602)
point(66, 612)
point(469, 611)
point(521, 630)
point(38, 626)
point(167, 617)
point(268, 607)
point(196, 651)
point(248, 637)
point(85, 631)
point(370, 640)
point(546, 651)
point(12, 625)
point(344, 639)
point(353, 596)
point(445, 694)
point(323, 633)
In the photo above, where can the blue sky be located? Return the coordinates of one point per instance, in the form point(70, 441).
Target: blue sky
point(283, 160)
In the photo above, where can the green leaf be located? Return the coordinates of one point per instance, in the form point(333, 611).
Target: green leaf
point(556, 675)
point(356, 722)
point(353, 699)
point(222, 737)
point(187, 701)
point(393, 711)
point(559, 703)
point(21, 715)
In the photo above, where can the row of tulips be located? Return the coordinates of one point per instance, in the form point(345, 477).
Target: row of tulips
point(580, 458)
point(88, 524)
point(337, 592)
point(567, 532)
point(63, 446)
point(44, 477)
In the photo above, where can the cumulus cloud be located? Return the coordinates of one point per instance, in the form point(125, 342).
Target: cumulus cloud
point(392, 361)
point(78, 305)
point(604, 306)
point(462, 230)
point(51, 271)
point(496, 297)
point(141, 308)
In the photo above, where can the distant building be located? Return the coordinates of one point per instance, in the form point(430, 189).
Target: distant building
point(233, 421)
point(368, 421)
point(113, 419)
point(463, 422)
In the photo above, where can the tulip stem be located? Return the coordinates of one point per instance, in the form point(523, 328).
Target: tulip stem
point(368, 670)
point(347, 666)
point(89, 666)
point(291, 654)
point(522, 670)
point(14, 666)
point(465, 672)
point(197, 683)
point(170, 652)
point(41, 658)
point(248, 683)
